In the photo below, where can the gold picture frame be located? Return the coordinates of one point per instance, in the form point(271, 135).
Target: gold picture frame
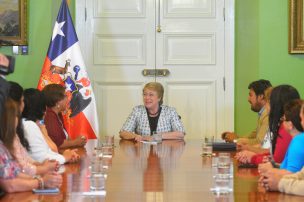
point(296, 26)
point(13, 23)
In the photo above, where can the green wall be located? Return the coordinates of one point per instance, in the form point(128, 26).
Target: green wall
point(246, 61)
point(261, 50)
point(40, 26)
point(261, 35)
point(28, 67)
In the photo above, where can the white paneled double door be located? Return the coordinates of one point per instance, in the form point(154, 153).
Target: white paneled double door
point(187, 45)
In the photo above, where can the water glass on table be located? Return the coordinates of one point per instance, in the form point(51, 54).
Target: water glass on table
point(224, 159)
point(108, 141)
point(222, 185)
point(157, 137)
point(96, 165)
point(223, 164)
point(223, 177)
point(206, 150)
point(97, 182)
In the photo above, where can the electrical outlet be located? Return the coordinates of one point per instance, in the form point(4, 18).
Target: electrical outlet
point(24, 50)
point(16, 50)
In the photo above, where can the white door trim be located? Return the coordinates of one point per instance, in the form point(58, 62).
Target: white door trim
point(229, 64)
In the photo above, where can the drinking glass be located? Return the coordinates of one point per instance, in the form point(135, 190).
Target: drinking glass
point(206, 150)
point(108, 140)
point(224, 160)
point(97, 182)
point(107, 151)
point(221, 185)
point(157, 137)
point(96, 166)
point(223, 164)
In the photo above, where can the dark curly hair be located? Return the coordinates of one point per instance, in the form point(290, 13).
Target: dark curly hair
point(34, 105)
point(259, 86)
point(292, 113)
point(53, 93)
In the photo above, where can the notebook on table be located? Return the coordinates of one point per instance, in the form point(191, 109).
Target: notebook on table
point(223, 146)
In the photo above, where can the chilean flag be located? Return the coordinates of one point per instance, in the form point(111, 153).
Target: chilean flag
point(64, 65)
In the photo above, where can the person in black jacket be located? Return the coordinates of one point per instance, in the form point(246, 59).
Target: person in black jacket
point(4, 85)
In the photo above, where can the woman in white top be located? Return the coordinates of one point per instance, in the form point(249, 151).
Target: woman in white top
point(39, 141)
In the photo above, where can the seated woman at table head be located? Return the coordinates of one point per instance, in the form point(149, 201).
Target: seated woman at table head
point(152, 117)
point(57, 102)
point(37, 135)
point(11, 177)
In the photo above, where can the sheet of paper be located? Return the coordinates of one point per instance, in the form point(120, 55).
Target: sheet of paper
point(148, 142)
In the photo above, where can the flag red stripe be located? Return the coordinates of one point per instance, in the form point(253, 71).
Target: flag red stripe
point(47, 64)
point(47, 75)
point(75, 129)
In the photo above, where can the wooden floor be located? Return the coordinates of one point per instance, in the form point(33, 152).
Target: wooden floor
point(172, 171)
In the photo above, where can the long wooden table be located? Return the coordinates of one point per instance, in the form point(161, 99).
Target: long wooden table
point(171, 171)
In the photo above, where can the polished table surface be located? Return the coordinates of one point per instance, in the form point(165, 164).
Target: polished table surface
point(170, 171)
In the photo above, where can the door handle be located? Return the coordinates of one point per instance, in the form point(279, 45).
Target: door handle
point(156, 72)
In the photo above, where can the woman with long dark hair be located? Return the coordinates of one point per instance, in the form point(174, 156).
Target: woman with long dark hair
point(280, 140)
point(21, 144)
point(278, 179)
point(12, 179)
point(16, 93)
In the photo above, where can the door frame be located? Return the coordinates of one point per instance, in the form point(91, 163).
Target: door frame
point(228, 81)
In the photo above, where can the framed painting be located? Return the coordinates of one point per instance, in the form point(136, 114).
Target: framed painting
point(13, 22)
point(296, 26)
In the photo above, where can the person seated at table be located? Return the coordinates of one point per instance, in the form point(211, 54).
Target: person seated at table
point(247, 150)
point(288, 183)
point(11, 177)
point(257, 101)
point(16, 93)
point(34, 129)
point(21, 145)
point(294, 157)
point(152, 117)
point(57, 102)
point(4, 85)
point(280, 96)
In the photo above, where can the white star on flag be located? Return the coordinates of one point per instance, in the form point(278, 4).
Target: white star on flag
point(57, 29)
point(68, 87)
point(81, 117)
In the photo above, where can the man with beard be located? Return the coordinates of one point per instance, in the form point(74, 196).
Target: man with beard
point(256, 98)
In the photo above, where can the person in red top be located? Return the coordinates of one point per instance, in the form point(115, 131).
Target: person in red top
point(56, 102)
point(281, 148)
